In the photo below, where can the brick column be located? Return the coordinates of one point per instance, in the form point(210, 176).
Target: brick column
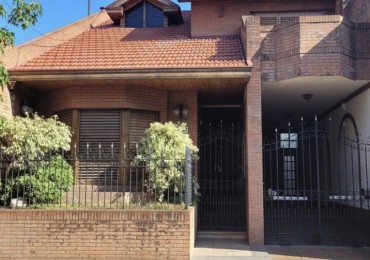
point(339, 7)
point(253, 133)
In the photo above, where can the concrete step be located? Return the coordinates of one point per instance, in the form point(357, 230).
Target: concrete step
point(208, 248)
point(221, 235)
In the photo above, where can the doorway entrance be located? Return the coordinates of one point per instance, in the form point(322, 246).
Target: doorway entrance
point(221, 169)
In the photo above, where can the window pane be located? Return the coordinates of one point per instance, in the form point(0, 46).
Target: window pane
point(134, 16)
point(288, 141)
point(154, 16)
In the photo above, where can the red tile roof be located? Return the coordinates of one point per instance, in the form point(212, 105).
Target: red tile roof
point(111, 47)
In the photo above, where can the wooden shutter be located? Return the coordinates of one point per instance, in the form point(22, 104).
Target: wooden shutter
point(268, 20)
point(140, 121)
point(276, 18)
point(99, 127)
point(287, 19)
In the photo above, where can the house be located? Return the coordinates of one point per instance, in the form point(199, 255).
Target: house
point(233, 71)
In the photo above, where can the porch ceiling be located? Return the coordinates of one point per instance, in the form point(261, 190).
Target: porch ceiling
point(214, 84)
point(283, 102)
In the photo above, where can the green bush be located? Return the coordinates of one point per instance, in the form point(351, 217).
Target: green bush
point(47, 185)
point(163, 148)
point(31, 138)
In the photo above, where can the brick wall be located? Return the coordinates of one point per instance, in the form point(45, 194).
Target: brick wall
point(6, 103)
point(358, 11)
point(323, 49)
point(313, 46)
point(96, 234)
point(223, 18)
point(103, 97)
point(287, 49)
point(14, 99)
point(190, 100)
point(268, 53)
point(118, 97)
point(363, 51)
point(253, 132)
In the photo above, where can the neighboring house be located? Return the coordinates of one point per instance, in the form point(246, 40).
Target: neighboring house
point(231, 70)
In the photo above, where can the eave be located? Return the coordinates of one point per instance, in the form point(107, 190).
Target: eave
point(55, 75)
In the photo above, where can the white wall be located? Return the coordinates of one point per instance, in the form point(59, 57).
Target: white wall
point(345, 170)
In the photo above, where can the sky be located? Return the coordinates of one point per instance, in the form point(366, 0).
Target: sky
point(58, 13)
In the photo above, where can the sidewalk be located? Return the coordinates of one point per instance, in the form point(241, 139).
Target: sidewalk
point(207, 249)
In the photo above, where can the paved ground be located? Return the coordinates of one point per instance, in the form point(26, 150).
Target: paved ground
point(208, 248)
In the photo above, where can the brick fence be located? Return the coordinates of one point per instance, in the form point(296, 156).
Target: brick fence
point(96, 234)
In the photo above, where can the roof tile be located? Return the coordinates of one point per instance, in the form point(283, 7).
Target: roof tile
point(112, 47)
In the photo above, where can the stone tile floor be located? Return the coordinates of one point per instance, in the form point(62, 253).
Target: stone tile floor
point(208, 249)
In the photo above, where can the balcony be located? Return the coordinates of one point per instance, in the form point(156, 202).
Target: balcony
point(307, 46)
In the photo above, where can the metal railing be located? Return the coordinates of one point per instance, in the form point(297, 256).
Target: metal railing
point(316, 185)
point(103, 179)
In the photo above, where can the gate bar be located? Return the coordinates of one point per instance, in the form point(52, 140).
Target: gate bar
point(318, 177)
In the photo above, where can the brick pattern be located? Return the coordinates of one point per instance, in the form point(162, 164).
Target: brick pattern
point(190, 100)
point(216, 17)
point(119, 97)
point(362, 36)
point(287, 43)
point(96, 234)
point(14, 99)
point(299, 48)
point(358, 11)
point(107, 97)
point(6, 103)
point(253, 128)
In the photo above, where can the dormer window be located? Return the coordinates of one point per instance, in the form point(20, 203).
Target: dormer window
point(144, 13)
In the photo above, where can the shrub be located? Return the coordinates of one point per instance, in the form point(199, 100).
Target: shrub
point(31, 138)
point(163, 148)
point(50, 180)
point(31, 143)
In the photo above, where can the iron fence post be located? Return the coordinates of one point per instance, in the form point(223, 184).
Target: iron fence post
point(188, 178)
point(318, 178)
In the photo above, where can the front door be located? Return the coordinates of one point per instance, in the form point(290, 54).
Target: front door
point(221, 171)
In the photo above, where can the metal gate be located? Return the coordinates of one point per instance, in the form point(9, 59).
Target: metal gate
point(221, 176)
point(316, 185)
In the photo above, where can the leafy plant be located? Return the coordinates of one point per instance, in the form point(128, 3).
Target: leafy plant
point(28, 139)
point(46, 185)
point(163, 148)
point(30, 143)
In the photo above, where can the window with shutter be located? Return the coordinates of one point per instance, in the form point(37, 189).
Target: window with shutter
point(277, 18)
point(99, 143)
point(99, 147)
point(268, 20)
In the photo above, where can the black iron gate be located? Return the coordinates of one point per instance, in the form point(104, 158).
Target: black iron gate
point(221, 176)
point(316, 186)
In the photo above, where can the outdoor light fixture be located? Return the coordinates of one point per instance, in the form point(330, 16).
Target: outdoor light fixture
point(181, 111)
point(307, 96)
point(25, 109)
